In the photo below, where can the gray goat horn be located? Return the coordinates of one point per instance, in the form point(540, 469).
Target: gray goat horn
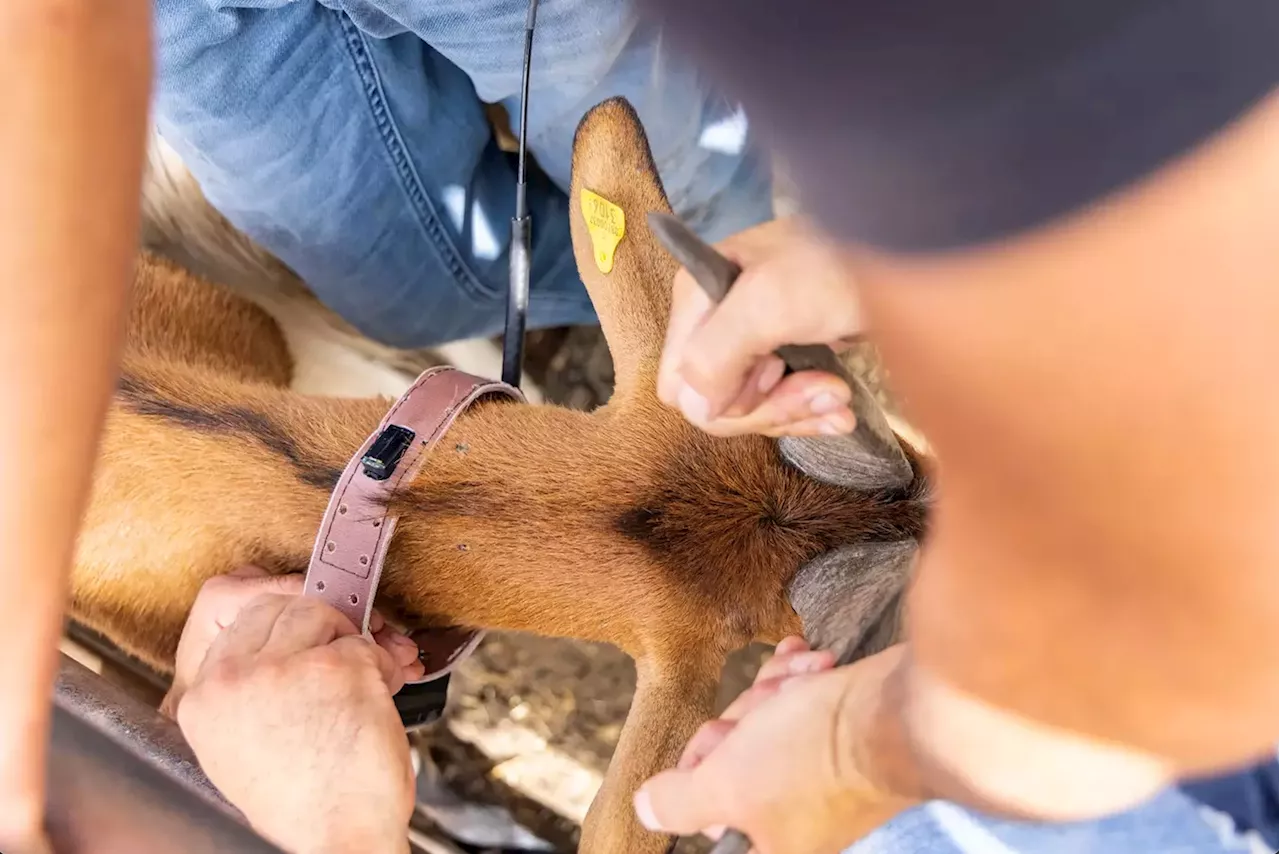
point(849, 599)
point(870, 457)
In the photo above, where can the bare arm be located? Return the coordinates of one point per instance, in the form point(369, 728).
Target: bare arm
point(73, 102)
point(1094, 611)
point(1103, 398)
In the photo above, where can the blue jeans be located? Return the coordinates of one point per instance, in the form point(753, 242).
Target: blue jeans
point(1233, 814)
point(348, 138)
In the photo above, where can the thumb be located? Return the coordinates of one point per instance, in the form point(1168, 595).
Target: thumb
point(678, 802)
point(801, 293)
point(255, 577)
point(249, 570)
point(289, 584)
point(223, 598)
point(723, 352)
point(243, 585)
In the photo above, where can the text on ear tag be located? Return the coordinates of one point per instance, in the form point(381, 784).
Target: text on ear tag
point(606, 224)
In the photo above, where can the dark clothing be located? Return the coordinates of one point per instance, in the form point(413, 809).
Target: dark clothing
point(1248, 797)
point(927, 125)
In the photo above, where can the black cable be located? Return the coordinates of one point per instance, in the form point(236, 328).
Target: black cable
point(521, 230)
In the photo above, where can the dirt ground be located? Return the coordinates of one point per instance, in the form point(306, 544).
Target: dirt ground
point(570, 695)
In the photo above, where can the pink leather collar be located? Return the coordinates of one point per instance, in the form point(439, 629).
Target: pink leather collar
point(351, 547)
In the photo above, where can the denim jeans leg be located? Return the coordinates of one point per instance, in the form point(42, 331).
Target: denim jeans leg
point(1170, 823)
point(365, 163)
point(586, 51)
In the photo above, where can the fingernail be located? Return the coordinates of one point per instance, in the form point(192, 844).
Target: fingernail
point(694, 405)
point(762, 379)
point(808, 662)
point(835, 425)
point(644, 811)
point(824, 402)
point(403, 640)
point(791, 644)
point(714, 832)
point(770, 376)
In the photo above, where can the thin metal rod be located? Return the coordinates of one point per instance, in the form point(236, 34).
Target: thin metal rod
point(517, 303)
point(521, 230)
point(531, 19)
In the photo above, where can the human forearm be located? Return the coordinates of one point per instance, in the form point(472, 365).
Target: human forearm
point(73, 85)
point(1102, 397)
point(911, 737)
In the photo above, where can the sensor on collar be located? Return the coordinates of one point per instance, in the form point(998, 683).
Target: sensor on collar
point(385, 453)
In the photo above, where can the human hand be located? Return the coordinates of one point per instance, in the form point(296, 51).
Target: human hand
point(291, 717)
point(221, 599)
point(780, 763)
point(28, 839)
point(718, 365)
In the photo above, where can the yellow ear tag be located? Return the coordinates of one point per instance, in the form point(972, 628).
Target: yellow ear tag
point(606, 224)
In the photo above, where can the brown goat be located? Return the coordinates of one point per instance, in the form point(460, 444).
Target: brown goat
point(625, 525)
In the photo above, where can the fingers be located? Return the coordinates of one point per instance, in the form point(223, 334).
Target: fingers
point(705, 740)
point(221, 597)
point(232, 618)
point(305, 623)
point(249, 632)
point(676, 802)
point(689, 307)
point(685, 800)
point(227, 594)
point(790, 644)
point(217, 605)
point(709, 785)
point(750, 699)
point(809, 403)
point(774, 676)
point(781, 300)
point(793, 657)
point(764, 377)
point(403, 652)
point(715, 355)
point(358, 650)
point(806, 403)
point(718, 365)
point(710, 734)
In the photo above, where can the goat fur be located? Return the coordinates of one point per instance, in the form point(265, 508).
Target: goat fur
point(625, 525)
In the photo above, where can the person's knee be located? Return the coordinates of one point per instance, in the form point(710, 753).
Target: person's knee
point(718, 182)
point(241, 93)
point(739, 199)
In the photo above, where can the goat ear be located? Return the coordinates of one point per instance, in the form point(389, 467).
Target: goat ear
point(871, 458)
point(843, 596)
point(627, 273)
